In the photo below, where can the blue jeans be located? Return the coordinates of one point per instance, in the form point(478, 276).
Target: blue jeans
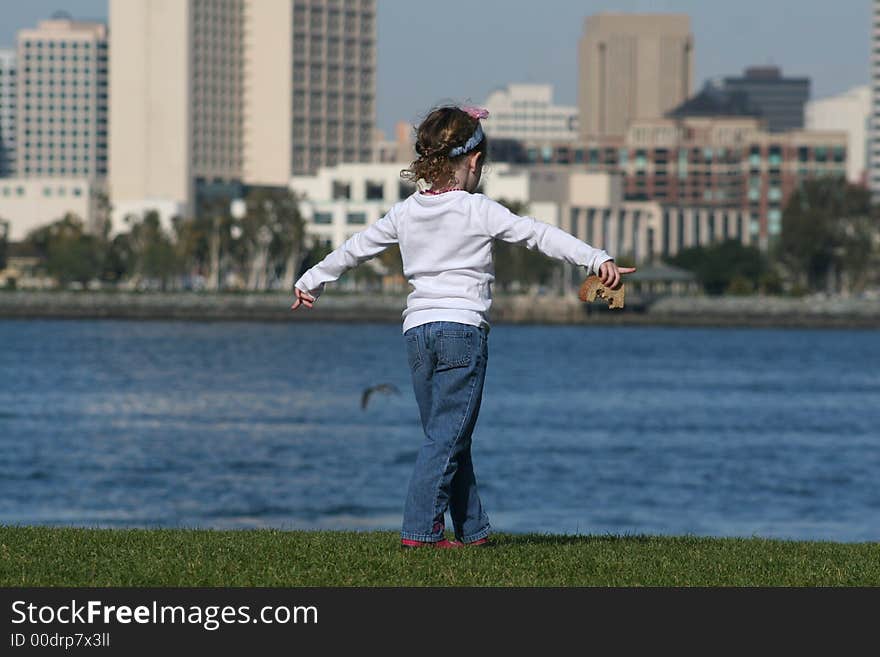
point(448, 365)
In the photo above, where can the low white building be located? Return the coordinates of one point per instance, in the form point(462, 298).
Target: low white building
point(29, 203)
point(849, 112)
point(340, 201)
point(526, 112)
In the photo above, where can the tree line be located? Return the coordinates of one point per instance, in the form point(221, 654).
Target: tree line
point(259, 250)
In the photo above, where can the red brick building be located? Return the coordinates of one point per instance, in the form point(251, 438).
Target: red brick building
point(713, 162)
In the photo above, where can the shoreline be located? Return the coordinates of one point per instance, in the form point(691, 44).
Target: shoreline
point(699, 311)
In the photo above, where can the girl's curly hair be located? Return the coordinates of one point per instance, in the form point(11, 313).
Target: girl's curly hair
point(442, 130)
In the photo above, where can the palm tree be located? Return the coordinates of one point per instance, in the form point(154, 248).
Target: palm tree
point(272, 232)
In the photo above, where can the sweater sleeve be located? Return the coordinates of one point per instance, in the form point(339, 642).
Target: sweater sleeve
point(356, 249)
point(540, 236)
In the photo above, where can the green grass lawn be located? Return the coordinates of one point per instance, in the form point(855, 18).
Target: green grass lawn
point(41, 556)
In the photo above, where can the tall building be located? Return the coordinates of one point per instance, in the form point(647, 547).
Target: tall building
point(62, 100)
point(848, 112)
point(632, 66)
point(526, 111)
point(316, 106)
point(874, 152)
point(176, 92)
point(8, 103)
point(780, 100)
point(209, 95)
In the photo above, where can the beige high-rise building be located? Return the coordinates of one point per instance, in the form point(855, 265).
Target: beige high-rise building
point(62, 100)
point(210, 95)
point(316, 106)
point(632, 66)
point(177, 101)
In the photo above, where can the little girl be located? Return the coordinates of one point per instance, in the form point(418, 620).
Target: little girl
point(445, 232)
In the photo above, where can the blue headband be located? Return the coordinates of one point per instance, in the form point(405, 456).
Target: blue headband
point(470, 144)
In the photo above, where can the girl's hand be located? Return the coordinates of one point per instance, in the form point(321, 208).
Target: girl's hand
point(302, 299)
point(609, 274)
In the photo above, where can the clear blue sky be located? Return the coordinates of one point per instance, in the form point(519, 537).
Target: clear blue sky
point(430, 52)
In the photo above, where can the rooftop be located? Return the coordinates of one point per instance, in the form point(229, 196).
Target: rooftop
point(714, 101)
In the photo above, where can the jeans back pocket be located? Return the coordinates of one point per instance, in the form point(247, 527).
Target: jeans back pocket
point(413, 353)
point(454, 349)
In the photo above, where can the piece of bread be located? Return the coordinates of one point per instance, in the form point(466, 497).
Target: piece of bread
point(593, 287)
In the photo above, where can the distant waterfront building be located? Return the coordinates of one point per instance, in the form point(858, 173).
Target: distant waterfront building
point(384, 149)
point(874, 153)
point(848, 112)
point(29, 203)
point(62, 100)
point(526, 111)
point(632, 66)
point(400, 149)
point(211, 96)
point(8, 108)
point(731, 163)
point(780, 100)
point(593, 208)
point(338, 201)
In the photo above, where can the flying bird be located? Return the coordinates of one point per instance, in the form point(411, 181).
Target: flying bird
point(382, 387)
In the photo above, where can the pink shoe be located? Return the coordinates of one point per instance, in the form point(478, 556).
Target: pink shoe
point(442, 544)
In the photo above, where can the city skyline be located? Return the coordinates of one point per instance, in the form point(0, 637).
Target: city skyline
point(482, 58)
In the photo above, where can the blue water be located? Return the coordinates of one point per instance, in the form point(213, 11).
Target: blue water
point(711, 432)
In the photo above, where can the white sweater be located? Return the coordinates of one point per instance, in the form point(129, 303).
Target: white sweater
point(446, 245)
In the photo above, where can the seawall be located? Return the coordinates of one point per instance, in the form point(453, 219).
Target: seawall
point(815, 311)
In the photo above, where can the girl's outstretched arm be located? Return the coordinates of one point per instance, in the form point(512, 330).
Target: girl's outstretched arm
point(540, 236)
point(355, 250)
